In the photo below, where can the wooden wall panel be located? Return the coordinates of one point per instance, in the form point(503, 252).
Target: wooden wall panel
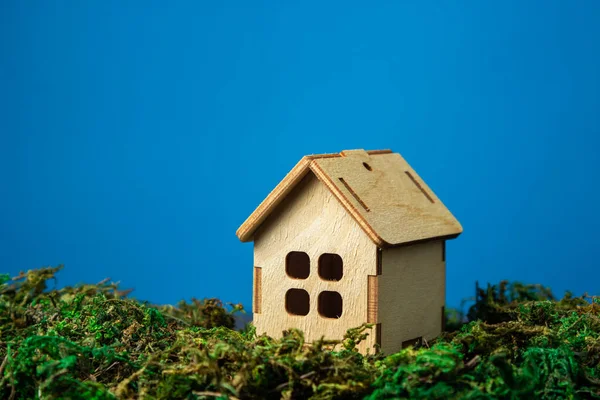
point(372, 299)
point(257, 301)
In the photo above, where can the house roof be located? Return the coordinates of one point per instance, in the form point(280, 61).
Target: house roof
point(378, 188)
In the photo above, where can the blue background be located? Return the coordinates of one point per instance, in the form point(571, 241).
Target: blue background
point(135, 137)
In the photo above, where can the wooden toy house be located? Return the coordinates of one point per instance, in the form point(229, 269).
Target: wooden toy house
point(350, 238)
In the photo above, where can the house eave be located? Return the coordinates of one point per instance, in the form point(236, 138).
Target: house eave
point(308, 164)
point(420, 241)
point(246, 231)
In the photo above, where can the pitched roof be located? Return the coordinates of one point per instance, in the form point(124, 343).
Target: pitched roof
point(383, 194)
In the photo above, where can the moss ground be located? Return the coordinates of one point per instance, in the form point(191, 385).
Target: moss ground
point(93, 342)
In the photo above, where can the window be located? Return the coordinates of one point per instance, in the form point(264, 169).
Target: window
point(330, 304)
point(331, 267)
point(297, 265)
point(297, 302)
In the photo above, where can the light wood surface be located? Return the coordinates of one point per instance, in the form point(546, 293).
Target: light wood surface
point(311, 220)
point(372, 299)
point(411, 293)
point(379, 190)
point(257, 291)
point(390, 201)
point(374, 211)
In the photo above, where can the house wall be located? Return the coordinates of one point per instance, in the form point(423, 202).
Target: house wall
point(412, 292)
point(311, 220)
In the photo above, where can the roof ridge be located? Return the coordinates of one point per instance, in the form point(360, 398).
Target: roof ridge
point(341, 154)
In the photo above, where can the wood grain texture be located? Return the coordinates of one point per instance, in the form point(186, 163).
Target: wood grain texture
point(372, 299)
point(311, 220)
point(348, 205)
point(411, 294)
point(379, 190)
point(401, 207)
point(246, 230)
point(387, 225)
point(257, 289)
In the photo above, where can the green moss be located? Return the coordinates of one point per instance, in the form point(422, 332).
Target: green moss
point(92, 342)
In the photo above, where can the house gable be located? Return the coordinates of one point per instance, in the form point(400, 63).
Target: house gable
point(380, 191)
point(310, 220)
